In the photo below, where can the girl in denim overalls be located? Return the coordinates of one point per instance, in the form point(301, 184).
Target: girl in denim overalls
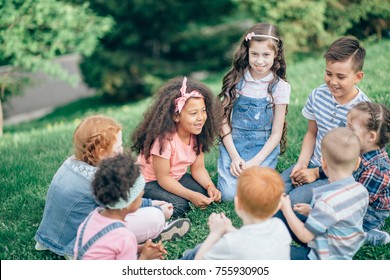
point(254, 98)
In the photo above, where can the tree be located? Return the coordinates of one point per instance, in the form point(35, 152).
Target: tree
point(154, 40)
point(34, 32)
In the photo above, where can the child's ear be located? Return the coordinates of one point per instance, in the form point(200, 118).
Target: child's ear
point(372, 136)
point(359, 76)
point(175, 117)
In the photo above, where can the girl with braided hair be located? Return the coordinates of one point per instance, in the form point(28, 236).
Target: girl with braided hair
point(254, 97)
point(176, 130)
point(70, 199)
point(371, 123)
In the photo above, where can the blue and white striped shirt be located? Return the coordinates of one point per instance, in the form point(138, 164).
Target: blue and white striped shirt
point(336, 220)
point(324, 109)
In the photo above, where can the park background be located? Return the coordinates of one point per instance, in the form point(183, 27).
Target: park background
point(127, 50)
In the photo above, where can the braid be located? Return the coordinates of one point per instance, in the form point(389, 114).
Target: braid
point(378, 120)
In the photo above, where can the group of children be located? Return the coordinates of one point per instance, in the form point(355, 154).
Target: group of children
point(103, 204)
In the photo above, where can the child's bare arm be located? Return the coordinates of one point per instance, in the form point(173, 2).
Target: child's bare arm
point(273, 140)
point(218, 224)
point(295, 224)
point(237, 165)
point(306, 151)
point(201, 175)
point(302, 208)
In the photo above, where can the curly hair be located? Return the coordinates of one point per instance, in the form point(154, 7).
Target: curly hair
point(378, 120)
point(240, 65)
point(114, 178)
point(158, 122)
point(92, 135)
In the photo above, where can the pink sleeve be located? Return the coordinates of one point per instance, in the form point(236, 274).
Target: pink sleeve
point(166, 153)
point(129, 248)
point(282, 93)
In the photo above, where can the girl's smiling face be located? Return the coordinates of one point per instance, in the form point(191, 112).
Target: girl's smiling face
point(192, 118)
point(261, 58)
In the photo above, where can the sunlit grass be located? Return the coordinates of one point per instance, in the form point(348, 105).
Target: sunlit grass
point(30, 154)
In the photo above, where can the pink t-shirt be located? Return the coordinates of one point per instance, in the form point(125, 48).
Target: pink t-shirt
point(179, 154)
point(118, 244)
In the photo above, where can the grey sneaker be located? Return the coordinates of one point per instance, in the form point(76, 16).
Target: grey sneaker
point(174, 229)
point(40, 247)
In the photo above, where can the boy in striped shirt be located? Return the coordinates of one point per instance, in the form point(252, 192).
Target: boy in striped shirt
point(326, 108)
point(334, 227)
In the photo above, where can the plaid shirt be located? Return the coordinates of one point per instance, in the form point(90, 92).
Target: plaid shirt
point(374, 174)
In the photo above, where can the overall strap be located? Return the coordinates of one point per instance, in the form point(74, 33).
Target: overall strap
point(82, 249)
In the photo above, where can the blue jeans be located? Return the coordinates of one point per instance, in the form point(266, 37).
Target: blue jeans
point(301, 194)
point(180, 205)
point(299, 253)
point(373, 223)
point(190, 254)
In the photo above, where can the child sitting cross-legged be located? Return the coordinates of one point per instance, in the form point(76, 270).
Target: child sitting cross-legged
point(262, 237)
point(334, 227)
point(118, 185)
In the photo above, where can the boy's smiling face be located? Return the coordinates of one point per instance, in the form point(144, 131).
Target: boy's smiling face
point(341, 79)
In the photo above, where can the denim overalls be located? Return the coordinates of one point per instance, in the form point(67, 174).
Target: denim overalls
point(82, 249)
point(251, 127)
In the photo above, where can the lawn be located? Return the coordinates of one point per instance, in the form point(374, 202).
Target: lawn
point(30, 154)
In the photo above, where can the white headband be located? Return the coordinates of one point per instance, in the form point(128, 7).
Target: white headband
point(249, 36)
point(134, 192)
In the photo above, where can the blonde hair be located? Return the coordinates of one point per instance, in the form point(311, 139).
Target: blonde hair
point(92, 136)
point(340, 148)
point(259, 190)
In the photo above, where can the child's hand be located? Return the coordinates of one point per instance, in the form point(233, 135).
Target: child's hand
point(305, 176)
point(152, 251)
point(158, 202)
point(167, 209)
point(218, 223)
point(302, 208)
point(295, 169)
point(237, 166)
point(200, 200)
point(286, 202)
point(214, 193)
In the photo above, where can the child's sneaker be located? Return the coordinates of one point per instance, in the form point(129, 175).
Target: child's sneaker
point(40, 247)
point(376, 237)
point(174, 229)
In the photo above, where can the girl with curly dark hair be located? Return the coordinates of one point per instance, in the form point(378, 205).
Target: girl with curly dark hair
point(176, 131)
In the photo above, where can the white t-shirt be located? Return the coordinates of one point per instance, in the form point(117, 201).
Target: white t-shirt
point(269, 240)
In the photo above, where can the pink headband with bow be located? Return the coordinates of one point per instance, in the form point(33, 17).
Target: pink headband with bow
point(181, 101)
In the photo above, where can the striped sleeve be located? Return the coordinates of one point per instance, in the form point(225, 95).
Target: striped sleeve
point(321, 218)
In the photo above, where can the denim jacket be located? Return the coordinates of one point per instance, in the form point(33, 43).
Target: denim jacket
point(69, 201)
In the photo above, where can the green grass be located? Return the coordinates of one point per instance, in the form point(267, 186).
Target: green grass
point(30, 154)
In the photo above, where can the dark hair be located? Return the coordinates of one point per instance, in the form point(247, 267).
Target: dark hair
point(345, 48)
point(158, 123)
point(240, 65)
point(378, 121)
point(114, 178)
